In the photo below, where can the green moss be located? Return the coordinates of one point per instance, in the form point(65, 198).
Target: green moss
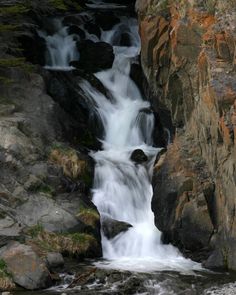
point(81, 238)
point(6, 81)
point(58, 4)
point(15, 62)
point(8, 28)
point(3, 265)
point(13, 10)
point(12, 62)
point(35, 230)
point(89, 217)
point(210, 6)
point(87, 178)
point(4, 273)
point(70, 244)
point(46, 189)
point(60, 147)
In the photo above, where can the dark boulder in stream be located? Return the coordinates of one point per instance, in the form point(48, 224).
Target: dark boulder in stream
point(138, 156)
point(111, 227)
point(94, 56)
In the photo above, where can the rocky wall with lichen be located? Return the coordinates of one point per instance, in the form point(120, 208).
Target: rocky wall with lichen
point(46, 172)
point(188, 58)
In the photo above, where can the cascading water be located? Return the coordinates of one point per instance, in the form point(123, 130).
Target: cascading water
point(122, 189)
point(61, 47)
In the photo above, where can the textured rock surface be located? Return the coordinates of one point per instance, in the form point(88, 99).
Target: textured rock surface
point(27, 269)
point(112, 227)
point(188, 57)
point(46, 173)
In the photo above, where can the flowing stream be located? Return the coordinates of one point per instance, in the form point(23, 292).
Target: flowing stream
point(122, 188)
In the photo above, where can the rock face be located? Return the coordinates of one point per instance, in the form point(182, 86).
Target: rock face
point(138, 156)
point(94, 56)
point(27, 269)
point(188, 57)
point(112, 227)
point(46, 173)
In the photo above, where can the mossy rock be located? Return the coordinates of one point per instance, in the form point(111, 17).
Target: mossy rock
point(89, 217)
point(13, 10)
point(75, 245)
point(58, 4)
point(8, 28)
point(74, 166)
point(6, 282)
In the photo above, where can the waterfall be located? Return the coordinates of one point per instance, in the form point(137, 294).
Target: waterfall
point(122, 189)
point(61, 47)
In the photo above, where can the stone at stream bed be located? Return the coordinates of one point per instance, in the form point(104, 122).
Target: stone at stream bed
point(94, 57)
point(106, 20)
point(76, 30)
point(26, 268)
point(138, 156)
point(112, 227)
point(54, 260)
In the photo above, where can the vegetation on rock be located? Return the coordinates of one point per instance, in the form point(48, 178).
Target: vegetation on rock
point(74, 244)
point(6, 282)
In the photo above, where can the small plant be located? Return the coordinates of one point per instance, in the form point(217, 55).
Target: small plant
point(89, 216)
point(8, 28)
point(210, 6)
point(3, 265)
point(35, 230)
point(6, 282)
point(58, 4)
point(46, 189)
point(13, 10)
point(71, 244)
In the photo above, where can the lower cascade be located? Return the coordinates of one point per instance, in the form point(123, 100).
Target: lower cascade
point(122, 188)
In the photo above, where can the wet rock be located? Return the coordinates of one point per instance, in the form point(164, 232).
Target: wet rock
point(112, 227)
point(54, 260)
point(138, 156)
point(106, 20)
point(77, 31)
point(199, 92)
point(93, 29)
point(137, 75)
point(65, 88)
point(95, 57)
point(34, 48)
point(215, 261)
point(27, 269)
point(40, 209)
point(86, 213)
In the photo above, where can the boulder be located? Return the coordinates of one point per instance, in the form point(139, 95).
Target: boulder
point(27, 269)
point(40, 209)
point(112, 227)
point(34, 48)
point(93, 29)
point(94, 57)
point(106, 20)
point(54, 260)
point(77, 31)
point(138, 156)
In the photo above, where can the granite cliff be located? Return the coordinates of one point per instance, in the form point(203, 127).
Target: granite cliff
point(188, 58)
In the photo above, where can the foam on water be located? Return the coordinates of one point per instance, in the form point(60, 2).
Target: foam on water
point(61, 48)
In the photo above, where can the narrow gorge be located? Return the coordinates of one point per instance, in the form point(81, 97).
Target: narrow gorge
point(117, 147)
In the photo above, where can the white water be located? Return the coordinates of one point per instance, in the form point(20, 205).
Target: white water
point(61, 47)
point(122, 189)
